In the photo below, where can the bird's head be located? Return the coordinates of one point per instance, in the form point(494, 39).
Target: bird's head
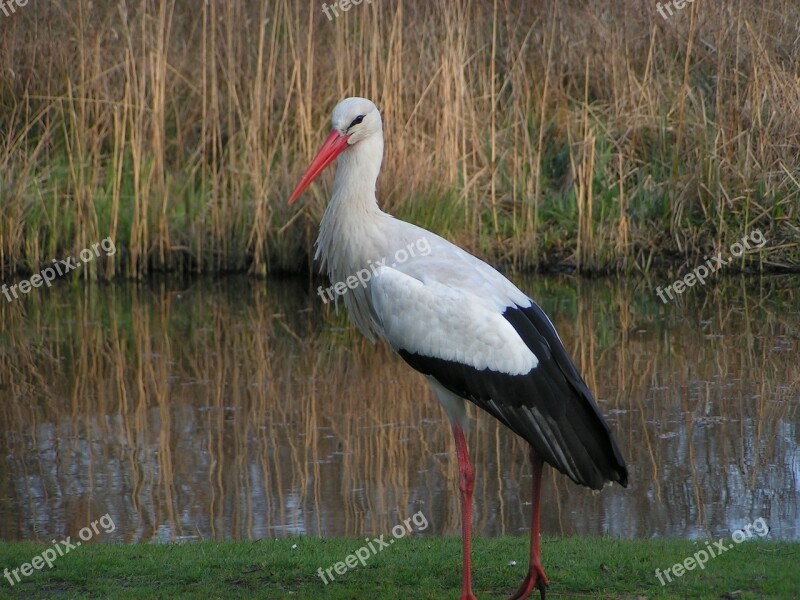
point(354, 120)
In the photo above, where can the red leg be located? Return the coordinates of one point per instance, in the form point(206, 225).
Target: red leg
point(466, 483)
point(535, 577)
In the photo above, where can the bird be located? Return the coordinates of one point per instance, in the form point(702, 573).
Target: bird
point(471, 332)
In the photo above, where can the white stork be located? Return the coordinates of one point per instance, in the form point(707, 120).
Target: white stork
point(468, 329)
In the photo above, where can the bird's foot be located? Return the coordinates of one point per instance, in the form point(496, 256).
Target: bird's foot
point(534, 579)
point(469, 596)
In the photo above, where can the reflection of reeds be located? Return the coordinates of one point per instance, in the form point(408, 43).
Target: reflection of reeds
point(222, 411)
point(582, 132)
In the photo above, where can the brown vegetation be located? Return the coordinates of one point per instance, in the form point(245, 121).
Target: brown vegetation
point(588, 134)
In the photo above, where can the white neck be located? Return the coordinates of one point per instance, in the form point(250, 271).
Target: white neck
point(354, 232)
point(350, 227)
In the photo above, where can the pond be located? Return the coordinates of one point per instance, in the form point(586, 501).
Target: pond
point(241, 408)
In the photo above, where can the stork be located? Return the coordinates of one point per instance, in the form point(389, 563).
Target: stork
point(458, 321)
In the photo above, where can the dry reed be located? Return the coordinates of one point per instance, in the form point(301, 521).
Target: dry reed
point(573, 134)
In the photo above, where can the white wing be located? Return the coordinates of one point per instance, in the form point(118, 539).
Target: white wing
point(452, 309)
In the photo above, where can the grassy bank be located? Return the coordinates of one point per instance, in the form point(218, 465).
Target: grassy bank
point(579, 134)
point(412, 568)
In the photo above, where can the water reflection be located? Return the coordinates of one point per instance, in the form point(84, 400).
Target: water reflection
point(242, 409)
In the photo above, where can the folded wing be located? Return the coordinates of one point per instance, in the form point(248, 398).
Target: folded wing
point(485, 341)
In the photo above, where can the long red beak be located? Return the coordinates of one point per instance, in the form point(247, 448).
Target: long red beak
point(333, 147)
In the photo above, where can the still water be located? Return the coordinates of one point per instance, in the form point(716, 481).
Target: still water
point(244, 409)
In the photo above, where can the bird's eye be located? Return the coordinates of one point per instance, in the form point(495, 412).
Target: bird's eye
point(356, 121)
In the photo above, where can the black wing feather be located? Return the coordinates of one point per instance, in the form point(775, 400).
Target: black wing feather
point(550, 407)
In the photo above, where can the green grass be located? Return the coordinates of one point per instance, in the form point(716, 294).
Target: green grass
point(420, 567)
